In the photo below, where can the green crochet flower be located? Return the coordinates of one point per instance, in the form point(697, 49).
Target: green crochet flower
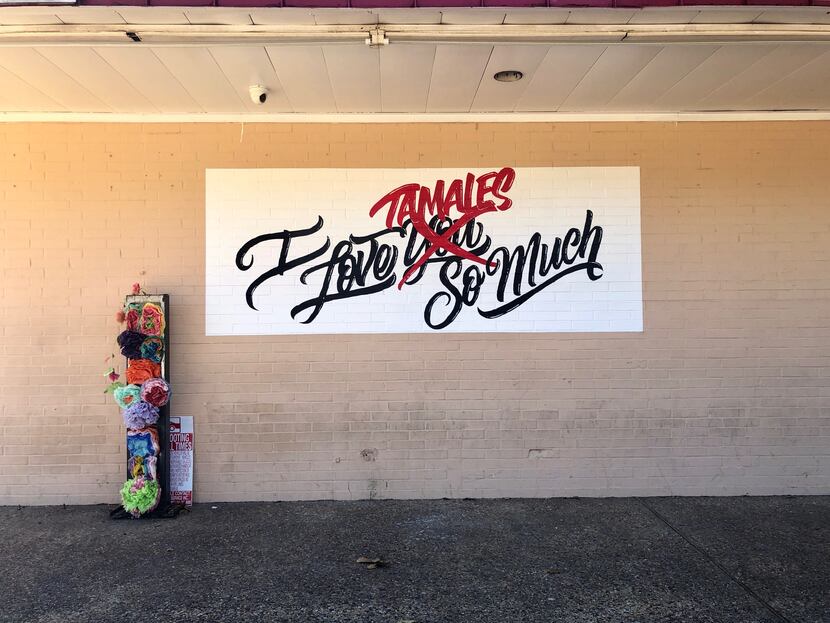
point(139, 495)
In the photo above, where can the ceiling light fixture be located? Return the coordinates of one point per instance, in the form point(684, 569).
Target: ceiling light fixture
point(511, 75)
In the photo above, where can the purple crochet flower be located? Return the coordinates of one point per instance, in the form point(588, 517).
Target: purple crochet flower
point(140, 415)
point(130, 343)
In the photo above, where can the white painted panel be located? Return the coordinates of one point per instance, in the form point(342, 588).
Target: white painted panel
point(344, 16)
point(354, 73)
point(249, 210)
point(244, 66)
point(49, 79)
point(405, 72)
point(88, 15)
point(779, 63)
point(217, 15)
point(304, 77)
point(671, 64)
point(152, 15)
point(201, 77)
point(537, 16)
point(282, 16)
point(95, 74)
point(19, 96)
point(612, 71)
point(563, 67)
point(503, 96)
point(720, 67)
point(811, 83)
point(456, 74)
point(408, 16)
point(473, 16)
point(601, 16)
point(150, 76)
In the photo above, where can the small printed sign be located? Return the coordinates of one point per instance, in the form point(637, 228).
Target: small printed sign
point(181, 460)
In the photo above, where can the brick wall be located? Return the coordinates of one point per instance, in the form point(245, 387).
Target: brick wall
point(727, 391)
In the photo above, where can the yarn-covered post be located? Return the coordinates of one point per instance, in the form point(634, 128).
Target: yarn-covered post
point(145, 402)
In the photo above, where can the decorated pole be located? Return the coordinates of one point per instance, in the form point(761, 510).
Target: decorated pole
point(145, 403)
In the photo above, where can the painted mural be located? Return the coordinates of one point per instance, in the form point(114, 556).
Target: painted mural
point(501, 249)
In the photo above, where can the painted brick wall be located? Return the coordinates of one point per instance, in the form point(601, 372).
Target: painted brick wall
point(727, 391)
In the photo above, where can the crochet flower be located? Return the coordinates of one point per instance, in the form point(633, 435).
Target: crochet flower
point(136, 288)
point(140, 415)
point(133, 316)
point(153, 349)
point(130, 343)
point(140, 495)
point(140, 370)
point(127, 395)
point(152, 320)
point(155, 392)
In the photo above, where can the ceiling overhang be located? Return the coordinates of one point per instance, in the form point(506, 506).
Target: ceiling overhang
point(184, 62)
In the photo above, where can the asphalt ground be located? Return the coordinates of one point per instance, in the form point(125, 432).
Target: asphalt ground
point(554, 560)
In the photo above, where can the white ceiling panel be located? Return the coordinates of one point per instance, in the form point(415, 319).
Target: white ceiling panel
point(795, 15)
point(601, 16)
point(560, 71)
point(152, 15)
point(613, 70)
point(32, 67)
point(150, 76)
point(88, 15)
point(478, 16)
point(671, 15)
point(671, 65)
point(304, 77)
point(416, 77)
point(408, 16)
point(781, 62)
point(537, 16)
point(456, 74)
point(405, 75)
point(720, 67)
point(282, 16)
point(730, 15)
point(344, 16)
point(503, 96)
point(19, 96)
point(198, 73)
point(86, 67)
point(245, 66)
point(216, 15)
point(354, 72)
point(21, 15)
point(811, 82)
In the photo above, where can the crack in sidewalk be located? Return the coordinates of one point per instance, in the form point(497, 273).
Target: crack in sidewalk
point(700, 550)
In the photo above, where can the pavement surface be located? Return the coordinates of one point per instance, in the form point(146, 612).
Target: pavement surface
point(570, 560)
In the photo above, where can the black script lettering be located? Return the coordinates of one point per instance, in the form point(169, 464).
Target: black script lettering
point(542, 260)
point(352, 270)
point(283, 264)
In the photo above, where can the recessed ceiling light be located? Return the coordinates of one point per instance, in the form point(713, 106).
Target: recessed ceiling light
point(511, 75)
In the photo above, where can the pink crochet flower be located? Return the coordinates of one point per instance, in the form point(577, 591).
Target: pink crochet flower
point(155, 392)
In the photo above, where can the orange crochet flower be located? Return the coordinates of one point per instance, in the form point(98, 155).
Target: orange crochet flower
point(140, 370)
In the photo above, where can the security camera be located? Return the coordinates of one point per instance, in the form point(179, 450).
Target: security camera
point(258, 93)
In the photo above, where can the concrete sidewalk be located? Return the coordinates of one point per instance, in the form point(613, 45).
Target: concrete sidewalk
point(580, 560)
